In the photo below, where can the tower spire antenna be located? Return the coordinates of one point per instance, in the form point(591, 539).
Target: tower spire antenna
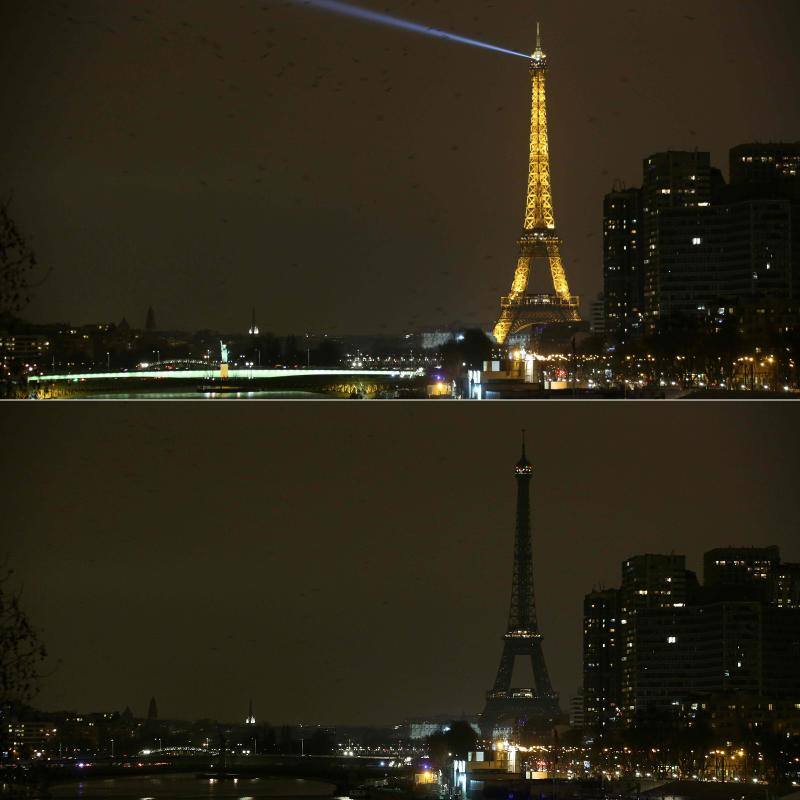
point(523, 466)
point(539, 37)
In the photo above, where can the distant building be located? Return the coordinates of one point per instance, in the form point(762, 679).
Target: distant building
point(601, 653)
point(597, 316)
point(654, 581)
point(623, 274)
point(423, 728)
point(30, 739)
point(251, 717)
point(24, 346)
point(741, 571)
point(786, 586)
point(752, 572)
point(432, 340)
point(576, 716)
point(765, 164)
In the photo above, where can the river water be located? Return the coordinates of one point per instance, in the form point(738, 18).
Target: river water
point(189, 787)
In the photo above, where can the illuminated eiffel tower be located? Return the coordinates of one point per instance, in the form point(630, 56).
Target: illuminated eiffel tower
point(506, 705)
point(519, 309)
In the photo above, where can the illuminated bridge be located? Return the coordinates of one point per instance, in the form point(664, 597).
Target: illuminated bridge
point(211, 379)
point(249, 373)
point(344, 772)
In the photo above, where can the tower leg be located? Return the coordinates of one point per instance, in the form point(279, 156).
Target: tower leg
point(557, 270)
point(503, 326)
point(518, 288)
point(540, 674)
point(506, 669)
point(521, 275)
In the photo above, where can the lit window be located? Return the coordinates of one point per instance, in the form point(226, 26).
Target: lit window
point(697, 240)
point(672, 639)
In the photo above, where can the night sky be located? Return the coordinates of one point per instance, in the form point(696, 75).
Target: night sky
point(351, 562)
point(203, 156)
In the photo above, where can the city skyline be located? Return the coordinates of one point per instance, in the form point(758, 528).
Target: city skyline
point(207, 575)
point(235, 154)
point(437, 203)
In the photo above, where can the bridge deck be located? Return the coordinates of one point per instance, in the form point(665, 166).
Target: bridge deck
point(254, 373)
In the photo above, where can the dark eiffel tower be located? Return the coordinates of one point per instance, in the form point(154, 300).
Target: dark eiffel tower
point(504, 704)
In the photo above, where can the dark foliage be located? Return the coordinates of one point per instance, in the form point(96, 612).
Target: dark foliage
point(22, 654)
point(17, 263)
point(455, 742)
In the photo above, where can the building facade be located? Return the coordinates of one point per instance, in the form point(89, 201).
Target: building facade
point(623, 277)
point(601, 653)
point(700, 249)
point(663, 644)
point(671, 182)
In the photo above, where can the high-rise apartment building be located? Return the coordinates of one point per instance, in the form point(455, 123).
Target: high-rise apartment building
point(743, 571)
point(766, 163)
point(786, 586)
point(623, 276)
point(601, 652)
point(672, 183)
point(597, 318)
point(654, 581)
point(650, 582)
point(576, 713)
point(704, 250)
point(663, 643)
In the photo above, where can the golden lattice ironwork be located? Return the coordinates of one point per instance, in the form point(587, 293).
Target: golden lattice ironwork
point(539, 239)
